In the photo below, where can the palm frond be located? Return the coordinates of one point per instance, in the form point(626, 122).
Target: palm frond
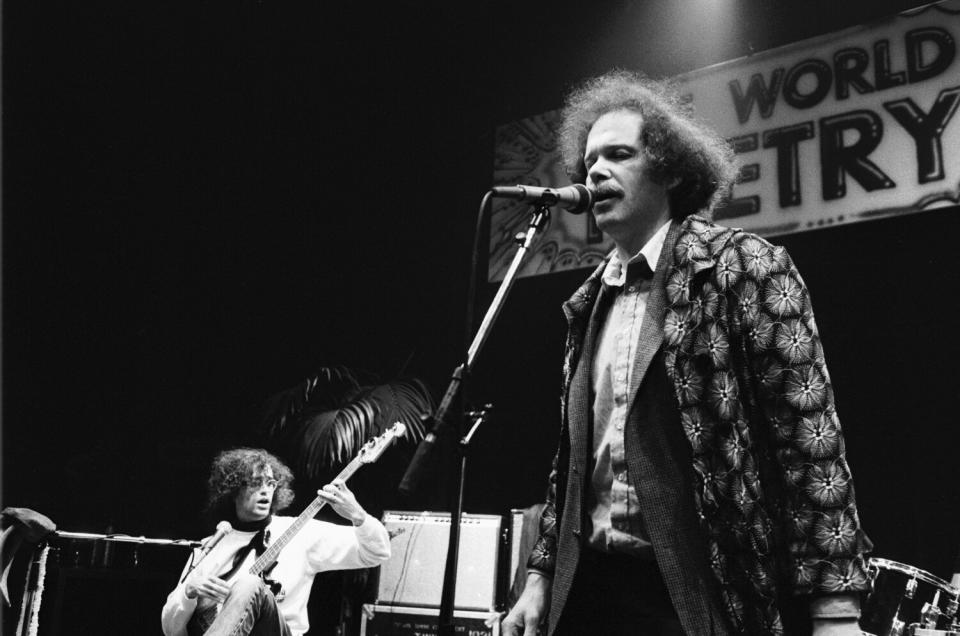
point(405, 401)
point(327, 389)
point(330, 439)
point(322, 423)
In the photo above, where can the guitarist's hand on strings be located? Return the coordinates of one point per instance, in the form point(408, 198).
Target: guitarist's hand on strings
point(343, 501)
point(206, 586)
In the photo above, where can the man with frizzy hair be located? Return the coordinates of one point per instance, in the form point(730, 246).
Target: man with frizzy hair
point(217, 594)
point(700, 485)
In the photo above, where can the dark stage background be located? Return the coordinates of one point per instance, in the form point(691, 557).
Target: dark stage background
point(205, 202)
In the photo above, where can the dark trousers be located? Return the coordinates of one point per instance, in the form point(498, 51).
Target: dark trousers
point(615, 594)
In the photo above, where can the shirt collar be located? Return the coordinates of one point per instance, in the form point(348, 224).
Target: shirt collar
point(615, 273)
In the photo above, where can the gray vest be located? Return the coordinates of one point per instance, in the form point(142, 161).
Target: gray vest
point(659, 465)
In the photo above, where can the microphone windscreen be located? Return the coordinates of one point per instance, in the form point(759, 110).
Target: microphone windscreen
point(586, 199)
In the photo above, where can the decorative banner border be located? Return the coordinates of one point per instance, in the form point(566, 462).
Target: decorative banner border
point(842, 128)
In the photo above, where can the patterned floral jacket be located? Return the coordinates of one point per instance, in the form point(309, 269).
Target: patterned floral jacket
point(772, 488)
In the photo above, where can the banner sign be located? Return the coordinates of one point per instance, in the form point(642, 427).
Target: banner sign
point(837, 129)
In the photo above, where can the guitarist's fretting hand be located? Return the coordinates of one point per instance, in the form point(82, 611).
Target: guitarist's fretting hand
point(343, 501)
point(205, 586)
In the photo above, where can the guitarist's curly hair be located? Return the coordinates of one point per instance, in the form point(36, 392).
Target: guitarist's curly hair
point(235, 469)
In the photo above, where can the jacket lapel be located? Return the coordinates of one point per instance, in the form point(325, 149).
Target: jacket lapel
point(651, 331)
point(581, 386)
point(581, 315)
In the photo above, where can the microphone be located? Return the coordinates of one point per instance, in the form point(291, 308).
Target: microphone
point(223, 529)
point(423, 459)
point(575, 198)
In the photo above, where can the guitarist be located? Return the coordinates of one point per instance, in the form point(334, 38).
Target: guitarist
point(217, 594)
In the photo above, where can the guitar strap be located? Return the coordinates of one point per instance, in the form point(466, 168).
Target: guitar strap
point(258, 544)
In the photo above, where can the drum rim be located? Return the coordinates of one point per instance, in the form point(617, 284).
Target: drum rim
point(917, 573)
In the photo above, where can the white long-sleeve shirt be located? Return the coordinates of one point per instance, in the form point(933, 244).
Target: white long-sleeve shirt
point(317, 547)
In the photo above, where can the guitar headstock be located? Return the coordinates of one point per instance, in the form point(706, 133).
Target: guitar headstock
point(372, 450)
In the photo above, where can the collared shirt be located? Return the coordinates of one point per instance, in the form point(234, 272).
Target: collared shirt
point(617, 524)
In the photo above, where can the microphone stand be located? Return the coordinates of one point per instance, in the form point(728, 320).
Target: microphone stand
point(448, 593)
point(524, 239)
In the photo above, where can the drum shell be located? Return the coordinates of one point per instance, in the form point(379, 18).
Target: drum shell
point(891, 607)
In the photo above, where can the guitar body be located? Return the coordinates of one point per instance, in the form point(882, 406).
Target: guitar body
point(203, 617)
point(207, 610)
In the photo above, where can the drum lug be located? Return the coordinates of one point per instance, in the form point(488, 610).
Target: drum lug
point(951, 609)
point(911, 589)
point(872, 572)
point(930, 613)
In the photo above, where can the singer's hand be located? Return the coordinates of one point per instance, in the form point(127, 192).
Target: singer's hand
point(530, 609)
point(205, 586)
point(343, 501)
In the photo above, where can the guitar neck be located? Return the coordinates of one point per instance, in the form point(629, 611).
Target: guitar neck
point(270, 555)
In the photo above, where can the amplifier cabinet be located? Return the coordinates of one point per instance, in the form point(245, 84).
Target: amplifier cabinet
point(390, 620)
point(413, 576)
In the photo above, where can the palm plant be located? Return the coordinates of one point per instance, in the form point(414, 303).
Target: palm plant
point(317, 427)
point(321, 423)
